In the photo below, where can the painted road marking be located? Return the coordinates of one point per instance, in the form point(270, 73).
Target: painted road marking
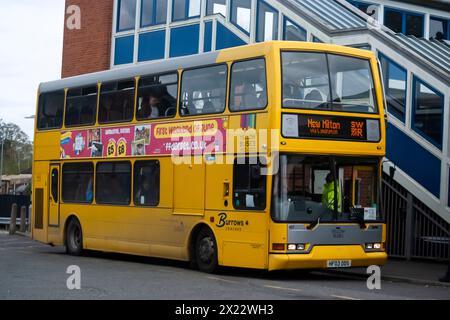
point(344, 297)
point(282, 288)
point(223, 280)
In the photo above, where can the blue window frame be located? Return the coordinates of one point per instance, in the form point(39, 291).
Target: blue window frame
point(241, 14)
point(292, 31)
point(126, 15)
point(365, 7)
point(408, 23)
point(266, 22)
point(152, 45)
point(153, 12)
point(216, 7)
point(124, 50)
point(185, 9)
point(439, 29)
point(428, 110)
point(395, 86)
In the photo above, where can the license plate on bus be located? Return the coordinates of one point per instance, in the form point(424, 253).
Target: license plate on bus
point(339, 264)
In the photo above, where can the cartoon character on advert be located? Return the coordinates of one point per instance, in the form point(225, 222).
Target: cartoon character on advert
point(79, 144)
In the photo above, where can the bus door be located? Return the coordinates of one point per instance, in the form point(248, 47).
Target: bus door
point(53, 210)
point(236, 200)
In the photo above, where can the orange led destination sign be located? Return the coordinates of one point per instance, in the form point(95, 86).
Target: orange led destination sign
point(331, 127)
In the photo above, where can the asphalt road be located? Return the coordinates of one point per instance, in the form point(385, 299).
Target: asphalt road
point(30, 270)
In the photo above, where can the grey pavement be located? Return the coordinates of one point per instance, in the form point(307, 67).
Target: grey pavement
point(30, 270)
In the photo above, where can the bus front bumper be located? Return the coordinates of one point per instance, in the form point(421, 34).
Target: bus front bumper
point(319, 256)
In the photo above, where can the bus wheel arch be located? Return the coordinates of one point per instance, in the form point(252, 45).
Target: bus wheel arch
point(207, 236)
point(73, 236)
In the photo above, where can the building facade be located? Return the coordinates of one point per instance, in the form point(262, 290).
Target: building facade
point(411, 39)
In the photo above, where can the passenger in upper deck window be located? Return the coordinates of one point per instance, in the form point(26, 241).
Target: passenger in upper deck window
point(150, 107)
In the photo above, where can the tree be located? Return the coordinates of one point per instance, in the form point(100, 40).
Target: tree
point(17, 149)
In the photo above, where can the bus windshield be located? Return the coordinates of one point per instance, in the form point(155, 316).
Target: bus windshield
point(326, 189)
point(314, 80)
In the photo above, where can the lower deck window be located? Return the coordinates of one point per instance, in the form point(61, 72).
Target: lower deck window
point(113, 183)
point(249, 189)
point(146, 183)
point(77, 182)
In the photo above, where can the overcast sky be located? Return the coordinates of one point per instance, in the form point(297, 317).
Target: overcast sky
point(31, 36)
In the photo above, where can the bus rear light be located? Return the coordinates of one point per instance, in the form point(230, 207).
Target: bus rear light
point(292, 247)
point(278, 246)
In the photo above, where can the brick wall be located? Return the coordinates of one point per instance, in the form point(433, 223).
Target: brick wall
point(89, 49)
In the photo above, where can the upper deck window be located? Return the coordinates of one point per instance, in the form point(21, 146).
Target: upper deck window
point(51, 109)
point(248, 85)
point(327, 82)
point(157, 96)
point(116, 101)
point(203, 91)
point(81, 106)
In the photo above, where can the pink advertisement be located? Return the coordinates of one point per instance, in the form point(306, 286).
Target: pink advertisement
point(181, 138)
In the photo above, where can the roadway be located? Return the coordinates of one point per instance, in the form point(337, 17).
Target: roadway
point(30, 270)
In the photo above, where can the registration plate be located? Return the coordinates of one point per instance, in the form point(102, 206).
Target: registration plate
point(339, 263)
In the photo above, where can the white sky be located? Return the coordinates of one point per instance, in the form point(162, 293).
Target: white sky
point(31, 39)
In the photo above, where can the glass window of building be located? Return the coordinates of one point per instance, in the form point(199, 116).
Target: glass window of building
point(393, 20)
point(328, 82)
point(395, 84)
point(241, 14)
point(157, 96)
point(113, 183)
point(368, 8)
point(248, 85)
point(414, 25)
point(428, 110)
point(153, 12)
point(216, 7)
point(203, 91)
point(126, 15)
point(293, 32)
point(185, 9)
point(439, 29)
point(51, 109)
point(78, 182)
point(116, 101)
point(81, 106)
point(267, 28)
point(407, 23)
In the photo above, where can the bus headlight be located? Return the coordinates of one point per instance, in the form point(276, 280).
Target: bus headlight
point(373, 246)
point(296, 247)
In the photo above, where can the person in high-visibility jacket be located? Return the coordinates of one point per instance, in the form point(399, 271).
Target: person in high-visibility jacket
point(328, 194)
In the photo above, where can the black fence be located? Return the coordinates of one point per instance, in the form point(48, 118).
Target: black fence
point(413, 230)
point(6, 201)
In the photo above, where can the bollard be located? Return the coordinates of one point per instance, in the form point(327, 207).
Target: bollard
point(12, 223)
point(23, 219)
point(29, 218)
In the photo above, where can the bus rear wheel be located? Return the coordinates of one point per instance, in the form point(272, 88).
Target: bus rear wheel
point(206, 251)
point(74, 238)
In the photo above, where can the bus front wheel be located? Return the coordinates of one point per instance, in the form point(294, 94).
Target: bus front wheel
point(206, 251)
point(74, 238)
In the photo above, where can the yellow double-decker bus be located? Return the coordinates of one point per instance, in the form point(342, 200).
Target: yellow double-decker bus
point(265, 156)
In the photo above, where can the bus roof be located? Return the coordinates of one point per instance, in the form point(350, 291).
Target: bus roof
point(168, 65)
